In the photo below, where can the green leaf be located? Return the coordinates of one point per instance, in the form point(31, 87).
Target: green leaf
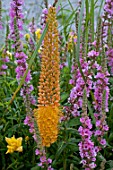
point(35, 168)
point(78, 39)
point(92, 18)
point(64, 96)
point(74, 122)
point(61, 147)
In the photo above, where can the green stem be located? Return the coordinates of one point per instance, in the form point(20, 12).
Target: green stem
point(78, 40)
point(64, 162)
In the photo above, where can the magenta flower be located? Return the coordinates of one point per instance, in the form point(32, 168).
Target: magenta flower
point(15, 12)
point(109, 53)
point(6, 59)
point(43, 159)
point(93, 54)
point(41, 165)
point(27, 119)
point(37, 152)
point(50, 168)
point(49, 161)
point(98, 132)
point(4, 67)
point(86, 146)
point(103, 142)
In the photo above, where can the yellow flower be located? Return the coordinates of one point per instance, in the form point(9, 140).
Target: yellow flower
point(38, 33)
point(27, 37)
point(14, 144)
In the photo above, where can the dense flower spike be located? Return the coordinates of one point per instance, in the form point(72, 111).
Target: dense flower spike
point(43, 159)
point(101, 88)
point(47, 114)
point(108, 31)
point(44, 18)
point(16, 13)
point(108, 8)
point(109, 53)
point(101, 94)
point(86, 146)
point(16, 25)
point(76, 95)
point(100, 85)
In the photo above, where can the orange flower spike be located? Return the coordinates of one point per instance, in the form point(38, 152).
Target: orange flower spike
point(48, 112)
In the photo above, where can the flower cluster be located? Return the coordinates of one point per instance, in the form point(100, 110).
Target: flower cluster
point(43, 160)
point(101, 128)
point(101, 94)
point(44, 18)
point(21, 58)
point(30, 122)
point(16, 14)
point(108, 7)
point(47, 114)
point(76, 95)
point(87, 149)
point(100, 86)
point(22, 66)
point(47, 124)
point(14, 144)
point(109, 53)
point(93, 54)
point(107, 20)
